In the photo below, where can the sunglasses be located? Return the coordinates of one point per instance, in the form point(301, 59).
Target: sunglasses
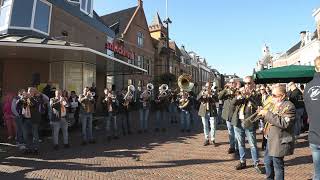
point(276, 96)
point(247, 83)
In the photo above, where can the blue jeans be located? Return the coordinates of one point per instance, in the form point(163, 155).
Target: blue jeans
point(185, 120)
point(298, 121)
point(231, 131)
point(57, 125)
point(240, 134)
point(274, 166)
point(31, 134)
point(111, 122)
point(86, 121)
point(173, 109)
point(315, 149)
point(205, 122)
point(19, 129)
point(161, 119)
point(143, 116)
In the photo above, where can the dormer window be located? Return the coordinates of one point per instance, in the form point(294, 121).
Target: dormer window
point(86, 6)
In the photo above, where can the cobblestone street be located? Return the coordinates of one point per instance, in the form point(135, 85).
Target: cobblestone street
point(169, 155)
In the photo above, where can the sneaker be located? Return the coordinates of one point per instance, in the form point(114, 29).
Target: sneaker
point(206, 143)
point(213, 142)
point(56, 147)
point(241, 165)
point(230, 150)
point(259, 168)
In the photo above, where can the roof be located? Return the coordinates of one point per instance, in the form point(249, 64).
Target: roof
point(298, 45)
point(119, 20)
point(175, 48)
point(184, 53)
point(38, 40)
point(156, 20)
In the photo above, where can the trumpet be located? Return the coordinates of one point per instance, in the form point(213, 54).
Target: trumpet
point(150, 88)
point(163, 90)
point(248, 122)
point(129, 95)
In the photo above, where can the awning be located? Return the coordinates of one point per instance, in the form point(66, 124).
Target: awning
point(52, 50)
point(296, 73)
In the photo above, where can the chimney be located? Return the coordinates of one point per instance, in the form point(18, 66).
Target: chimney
point(303, 38)
point(316, 15)
point(140, 3)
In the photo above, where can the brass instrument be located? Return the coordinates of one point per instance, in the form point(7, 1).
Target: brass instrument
point(163, 90)
point(184, 101)
point(129, 95)
point(184, 82)
point(248, 122)
point(150, 88)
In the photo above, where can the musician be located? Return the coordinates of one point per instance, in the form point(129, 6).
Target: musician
point(58, 119)
point(246, 105)
point(110, 105)
point(161, 104)
point(126, 104)
point(264, 99)
point(31, 112)
point(74, 107)
point(173, 106)
point(226, 95)
point(185, 107)
point(144, 108)
point(208, 113)
point(87, 102)
point(279, 133)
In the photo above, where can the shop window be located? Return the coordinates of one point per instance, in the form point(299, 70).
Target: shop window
point(140, 37)
point(86, 6)
point(42, 16)
point(140, 61)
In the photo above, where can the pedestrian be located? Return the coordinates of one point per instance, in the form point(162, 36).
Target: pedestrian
point(16, 108)
point(312, 104)
point(9, 117)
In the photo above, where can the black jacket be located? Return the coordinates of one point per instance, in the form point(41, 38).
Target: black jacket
point(312, 104)
point(296, 97)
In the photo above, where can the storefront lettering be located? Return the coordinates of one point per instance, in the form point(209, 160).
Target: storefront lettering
point(119, 49)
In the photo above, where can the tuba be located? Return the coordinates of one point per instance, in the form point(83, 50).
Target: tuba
point(184, 82)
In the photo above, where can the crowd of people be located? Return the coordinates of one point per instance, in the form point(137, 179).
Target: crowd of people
point(279, 111)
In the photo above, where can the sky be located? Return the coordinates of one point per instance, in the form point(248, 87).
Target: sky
point(228, 33)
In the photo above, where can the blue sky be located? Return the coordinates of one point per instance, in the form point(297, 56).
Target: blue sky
point(229, 33)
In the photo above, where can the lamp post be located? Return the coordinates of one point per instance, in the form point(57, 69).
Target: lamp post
point(167, 22)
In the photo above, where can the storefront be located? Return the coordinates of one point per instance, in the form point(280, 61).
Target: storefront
point(30, 61)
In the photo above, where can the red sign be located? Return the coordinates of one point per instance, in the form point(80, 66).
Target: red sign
point(119, 49)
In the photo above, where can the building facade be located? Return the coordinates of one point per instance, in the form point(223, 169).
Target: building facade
point(132, 33)
point(58, 41)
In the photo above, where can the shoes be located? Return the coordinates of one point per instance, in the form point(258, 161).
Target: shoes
point(231, 150)
point(115, 137)
point(156, 130)
point(140, 131)
point(35, 152)
point(188, 130)
point(163, 129)
point(66, 146)
point(206, 143)
point(56, 147)
point(236, 154)
point(259, 168)
point(145, 131)
point(213, 142)
point(241, 165)
point(182, 130)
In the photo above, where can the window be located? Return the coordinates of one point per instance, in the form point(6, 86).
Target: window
point(140, 61)
point(148, 67)
point(86, 7)
point(42, 17)
point(5, 14)
point(140, 39)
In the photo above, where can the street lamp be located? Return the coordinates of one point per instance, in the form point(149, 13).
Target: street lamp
point(167, 22)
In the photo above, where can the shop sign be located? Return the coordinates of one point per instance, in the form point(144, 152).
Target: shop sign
point(119, 49)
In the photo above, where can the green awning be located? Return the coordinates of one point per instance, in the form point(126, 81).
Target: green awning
point(296, 73)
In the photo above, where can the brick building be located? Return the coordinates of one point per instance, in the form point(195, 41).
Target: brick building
point(132, 33)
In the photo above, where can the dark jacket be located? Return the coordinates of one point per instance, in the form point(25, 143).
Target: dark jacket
point(212, 106)
point(312, 104)
point(105, 106)
point(228, 108)
point(280, 135)
point(296, 97)
point(250, 107)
